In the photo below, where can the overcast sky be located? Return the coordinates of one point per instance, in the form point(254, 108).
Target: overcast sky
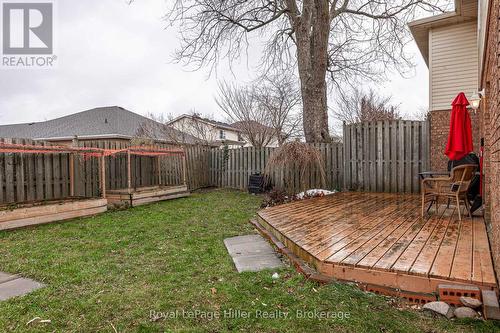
point(112, 53)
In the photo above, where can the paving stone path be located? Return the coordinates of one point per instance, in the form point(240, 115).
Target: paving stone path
point(14, 285)
point(252, 253)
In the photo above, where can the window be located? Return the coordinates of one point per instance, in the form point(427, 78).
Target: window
point(222, 134)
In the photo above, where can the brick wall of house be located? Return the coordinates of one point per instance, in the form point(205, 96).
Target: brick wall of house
point(490, 128)
point(439, 122)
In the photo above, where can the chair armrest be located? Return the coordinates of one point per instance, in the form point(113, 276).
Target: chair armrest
point(439, 179)
point(435, 184)
point(435, 180)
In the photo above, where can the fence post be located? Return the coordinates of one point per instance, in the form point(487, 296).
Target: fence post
point(184, 179)
point(158, 165)
point(103, 175)
point(129, 173)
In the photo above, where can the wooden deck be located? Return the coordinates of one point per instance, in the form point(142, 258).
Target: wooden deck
point(380, 239)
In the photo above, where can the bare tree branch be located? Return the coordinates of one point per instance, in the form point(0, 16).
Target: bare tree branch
point(361, 106)
point(241, 105)
point(265, 111)
point(342, 42)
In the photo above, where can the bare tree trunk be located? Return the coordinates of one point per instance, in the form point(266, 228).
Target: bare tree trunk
point(312, 55)
point(315, 115)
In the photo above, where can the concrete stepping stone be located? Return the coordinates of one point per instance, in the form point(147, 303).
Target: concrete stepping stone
point(252, 253)
point(4, 277)
point(13, 285)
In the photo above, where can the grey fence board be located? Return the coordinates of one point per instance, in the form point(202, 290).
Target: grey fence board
point(385, 156)
point(232, 167)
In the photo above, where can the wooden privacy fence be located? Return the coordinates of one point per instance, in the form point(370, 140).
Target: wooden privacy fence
point(29, 177)
point(380, 156)
point(37, 177)
point(385, 156)
point(232, 167)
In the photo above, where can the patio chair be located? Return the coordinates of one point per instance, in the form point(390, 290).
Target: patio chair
point(453, 187)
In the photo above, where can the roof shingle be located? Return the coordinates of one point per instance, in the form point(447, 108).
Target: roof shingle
point(103, 122)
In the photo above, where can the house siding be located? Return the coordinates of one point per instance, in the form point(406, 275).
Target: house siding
point(204, 131)
point(490, 128)
point(453, 63)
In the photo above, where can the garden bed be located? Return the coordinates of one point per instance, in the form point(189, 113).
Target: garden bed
point(145, 195)
point(40, 212)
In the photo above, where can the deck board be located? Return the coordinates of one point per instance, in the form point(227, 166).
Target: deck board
point(482, 259)
point(361, 252)
point(342, 227)
point(351, 217)
point(414, 248)
point(364, 234)
point(462, 261)
point(380, 250)
point(423, 263)
point(384, 234)
point(444, 257)
point(396, 250)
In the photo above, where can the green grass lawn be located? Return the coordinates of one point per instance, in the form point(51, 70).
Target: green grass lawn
point(112, 271)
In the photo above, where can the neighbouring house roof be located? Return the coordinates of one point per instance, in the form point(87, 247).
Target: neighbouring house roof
point(465, 11)
point(215, 123)
point(98, 123)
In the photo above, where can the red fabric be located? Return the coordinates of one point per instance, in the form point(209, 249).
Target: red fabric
point(460, 137)
point(86, 151)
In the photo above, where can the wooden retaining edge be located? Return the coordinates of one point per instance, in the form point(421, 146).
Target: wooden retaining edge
point(142, 192)
point(60, 216)
point(143, 201)
point(297, 262)
point(25, 212)
point(158, 192)
point(143, 198)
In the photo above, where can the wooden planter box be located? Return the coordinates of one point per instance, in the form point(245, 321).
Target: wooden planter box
point(26, 214)
point(145, 195)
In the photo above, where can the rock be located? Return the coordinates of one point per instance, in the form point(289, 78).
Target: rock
point(470, 302)
point(465, 312)
point(439, 307)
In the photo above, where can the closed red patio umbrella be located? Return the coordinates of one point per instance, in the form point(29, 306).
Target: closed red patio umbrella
point(460, 137)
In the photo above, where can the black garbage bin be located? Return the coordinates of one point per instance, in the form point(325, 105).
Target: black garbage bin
point(256, 183)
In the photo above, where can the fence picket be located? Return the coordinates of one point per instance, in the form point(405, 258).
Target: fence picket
point(385, 156)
